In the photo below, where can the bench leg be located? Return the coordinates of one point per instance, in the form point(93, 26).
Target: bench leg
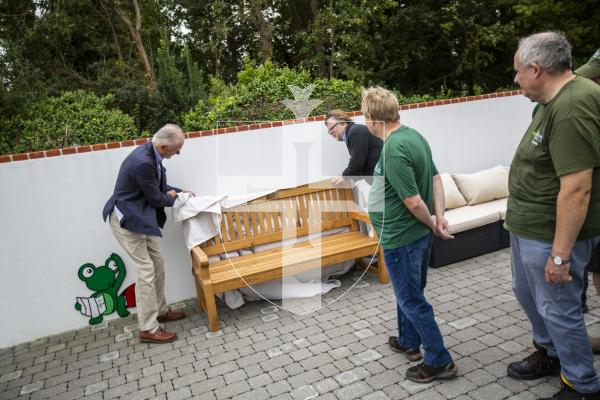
point(211, 308)
point(382, 273)
point(200, 296)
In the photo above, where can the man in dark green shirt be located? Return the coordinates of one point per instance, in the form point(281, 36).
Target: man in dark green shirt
point(553, 212)
point(405, 188)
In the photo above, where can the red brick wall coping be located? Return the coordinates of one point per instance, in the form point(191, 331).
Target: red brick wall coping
point(232, 129)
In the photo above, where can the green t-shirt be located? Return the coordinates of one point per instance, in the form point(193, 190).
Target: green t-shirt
point(563, 137)
point(405, 168)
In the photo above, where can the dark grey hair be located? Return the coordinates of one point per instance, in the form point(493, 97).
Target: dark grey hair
point(550, 50)
point(169, 135)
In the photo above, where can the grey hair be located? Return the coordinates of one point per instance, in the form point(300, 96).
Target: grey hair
point(169, 135)
point(550, 50)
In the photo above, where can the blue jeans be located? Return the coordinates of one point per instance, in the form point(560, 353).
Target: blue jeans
point(407, 267)
point(554, 310)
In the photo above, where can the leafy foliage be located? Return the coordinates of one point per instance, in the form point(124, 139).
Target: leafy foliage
point(258, 93)
point(73, 119)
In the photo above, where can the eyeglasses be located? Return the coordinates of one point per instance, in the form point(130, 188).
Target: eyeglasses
point(331, 127)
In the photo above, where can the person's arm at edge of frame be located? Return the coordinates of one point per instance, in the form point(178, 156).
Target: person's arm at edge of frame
point(571, 208)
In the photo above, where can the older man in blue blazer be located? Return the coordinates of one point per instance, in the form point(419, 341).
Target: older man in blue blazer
point(136, 213)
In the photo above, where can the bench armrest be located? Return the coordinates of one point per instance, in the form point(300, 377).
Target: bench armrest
point(360, 216)
point(199, 258)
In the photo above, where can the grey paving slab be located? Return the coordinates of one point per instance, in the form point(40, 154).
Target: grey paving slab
point(266, 352)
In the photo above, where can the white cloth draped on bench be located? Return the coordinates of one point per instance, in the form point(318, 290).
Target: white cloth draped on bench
point(201, 215)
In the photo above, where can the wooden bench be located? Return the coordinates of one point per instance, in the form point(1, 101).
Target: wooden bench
point(285, 214)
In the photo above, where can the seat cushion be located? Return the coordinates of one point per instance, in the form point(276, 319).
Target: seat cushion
point(495, 205)
point(452, 196)
point(487, 185)
point(469, 217)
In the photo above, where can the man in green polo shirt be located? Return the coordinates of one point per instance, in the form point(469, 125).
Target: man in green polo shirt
point(406, 186)
point(553, 213)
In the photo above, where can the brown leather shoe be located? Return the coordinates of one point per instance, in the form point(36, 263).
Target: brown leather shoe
point(171, 315)
point(159, 336)
point(595, 345)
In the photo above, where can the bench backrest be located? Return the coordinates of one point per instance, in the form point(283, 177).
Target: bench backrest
point(284, 214)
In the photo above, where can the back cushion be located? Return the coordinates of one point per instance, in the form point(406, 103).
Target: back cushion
point(489, 184)
point(452, 195)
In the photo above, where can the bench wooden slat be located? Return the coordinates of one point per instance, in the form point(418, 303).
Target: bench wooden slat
point(312, 211)
point(246, 222)
point(302, 214)
point(290, 214)
point(324, 207)
point(307, 260)
point(274, 237)
point(260, 218)
point(238, 224)
point(233, 269)
point(276, 215)
point(289, 260)
point(268, 214)
point(336, 204)
point(230, 228)
point(253, 214)
point(223, 231)
point(340, 239)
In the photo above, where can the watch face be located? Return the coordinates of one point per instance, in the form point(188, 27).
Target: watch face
point(558, 260)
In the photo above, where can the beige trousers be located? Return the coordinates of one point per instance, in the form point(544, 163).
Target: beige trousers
point(150, 271)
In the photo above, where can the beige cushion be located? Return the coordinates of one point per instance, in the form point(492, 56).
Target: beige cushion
point(495, 206)
point(469, 217)
point(452, 196)
point(489, 184)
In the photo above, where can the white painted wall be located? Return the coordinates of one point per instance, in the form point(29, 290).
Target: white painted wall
point(50, 210)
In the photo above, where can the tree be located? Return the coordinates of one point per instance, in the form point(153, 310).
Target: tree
point(261, 21)
point(136, 33)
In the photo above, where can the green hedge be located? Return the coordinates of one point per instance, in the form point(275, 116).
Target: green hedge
point(73, 119)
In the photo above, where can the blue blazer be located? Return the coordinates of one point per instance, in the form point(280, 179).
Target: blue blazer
point(139, 195)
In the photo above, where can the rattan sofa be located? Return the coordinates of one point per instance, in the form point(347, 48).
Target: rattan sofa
point(475, 210)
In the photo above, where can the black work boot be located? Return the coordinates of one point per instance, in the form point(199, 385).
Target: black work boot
point(568, 393)
point(535, 366)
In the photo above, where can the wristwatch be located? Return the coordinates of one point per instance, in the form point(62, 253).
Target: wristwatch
point(558, 260)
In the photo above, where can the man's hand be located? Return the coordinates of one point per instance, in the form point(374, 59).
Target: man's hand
point(172, 193)
point(336, 180)
point(188, 191)
point(441, 228)
point(557, 273)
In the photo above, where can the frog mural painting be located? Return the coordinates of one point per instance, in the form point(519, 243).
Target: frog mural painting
point(105, 280)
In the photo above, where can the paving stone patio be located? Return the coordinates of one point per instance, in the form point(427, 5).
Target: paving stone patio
point(264, 352)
